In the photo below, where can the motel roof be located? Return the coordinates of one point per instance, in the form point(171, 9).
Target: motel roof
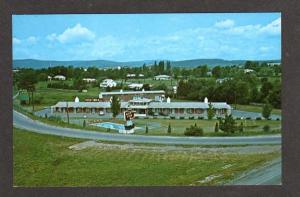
point(134, 92)
point(196, 105)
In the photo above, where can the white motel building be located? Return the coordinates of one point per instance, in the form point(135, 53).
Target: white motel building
point(144, 103)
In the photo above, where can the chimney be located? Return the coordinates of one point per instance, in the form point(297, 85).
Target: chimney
point(205, 100)
point(168, 100)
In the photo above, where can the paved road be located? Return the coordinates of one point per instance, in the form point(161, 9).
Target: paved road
point(268, 174)
point(24, 122)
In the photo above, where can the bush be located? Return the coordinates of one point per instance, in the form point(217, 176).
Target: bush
point(266, 128)
point(191, 117)
point(147, 129)
point(193, 130)
point(200, 118)
point(241, 127)
point(217, 127)
point(278, 119)
point(238, 118)
point(55, 118)
point(248, 118)
point(258, 118)
point(181, 117)
point(169, 128)
point(172, 117)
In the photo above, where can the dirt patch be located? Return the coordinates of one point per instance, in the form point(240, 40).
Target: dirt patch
point(133, 147)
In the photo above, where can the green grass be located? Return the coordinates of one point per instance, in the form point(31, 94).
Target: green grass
point(254, 108)
point(251, 127)
point(43, 160)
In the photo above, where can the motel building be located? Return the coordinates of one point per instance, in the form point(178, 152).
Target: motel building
point(144, 103)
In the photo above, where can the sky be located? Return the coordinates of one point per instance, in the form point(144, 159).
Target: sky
point(133, 37)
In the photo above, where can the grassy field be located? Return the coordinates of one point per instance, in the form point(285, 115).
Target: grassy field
point(42, 160)
point(253, 108)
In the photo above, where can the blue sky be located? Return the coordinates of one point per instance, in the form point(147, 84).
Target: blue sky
point(128, 37)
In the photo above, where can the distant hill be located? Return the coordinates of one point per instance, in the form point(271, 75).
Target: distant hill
point(33, 63)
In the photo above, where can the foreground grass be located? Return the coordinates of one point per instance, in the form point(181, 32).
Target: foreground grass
point(43, 160)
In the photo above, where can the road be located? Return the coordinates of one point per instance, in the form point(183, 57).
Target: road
point(268, 174)
point(24, 122)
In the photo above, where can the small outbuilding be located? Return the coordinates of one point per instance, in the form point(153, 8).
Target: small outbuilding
point(162, 77)
point(60, 77)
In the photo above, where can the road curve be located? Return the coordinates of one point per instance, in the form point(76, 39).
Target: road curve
point(24, 122)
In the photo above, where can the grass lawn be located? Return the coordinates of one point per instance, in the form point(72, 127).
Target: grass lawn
point(43, 160)
point(160, 126)
point(254, 108)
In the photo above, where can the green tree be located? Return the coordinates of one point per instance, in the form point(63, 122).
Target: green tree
point(228, 125)
point(241, 127)
point(217, 71)
point(27, 81)
point(211, 112)
point(115, 106)
point(84, 123)
point(147, 129)
point(217, 127)
point(169, 128)
point(266, 110)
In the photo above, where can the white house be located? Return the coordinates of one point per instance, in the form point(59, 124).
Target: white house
point(248, 70)
point(59, 77)
point(130, 75)
point(162, 77)
point(108, 83)
point(136, 86)
point(49, 78)
point(89, 80)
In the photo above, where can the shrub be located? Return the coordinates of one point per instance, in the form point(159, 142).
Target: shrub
point(172, 117)
point(228, 125)
point(217, 127)
point(147, 129)
point(181, 117)
point(248, 118)
point(200, 118)
point(266, 128)
point(278, 119)
point(169, 128)
point(258, 118)
point(193, 130)
point(191, 117)
point(238, 118)
point(266, 110)
point(241, 127)
point(55, 118)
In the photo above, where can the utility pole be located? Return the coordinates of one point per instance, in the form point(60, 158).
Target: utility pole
point(68, 112)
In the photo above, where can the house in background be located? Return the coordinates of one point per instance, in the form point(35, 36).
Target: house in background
point(248, 71)
point(136, 86)
point(130, 75)
point(89, 80)
point(162, 77)
point(60, 77)
point(108, 83)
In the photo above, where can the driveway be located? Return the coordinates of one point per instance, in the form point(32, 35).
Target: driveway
point(24, 122)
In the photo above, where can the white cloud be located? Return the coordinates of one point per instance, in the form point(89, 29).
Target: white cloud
point(273, 28)
point(51, 37)
point(73, 34)
point(225, 23)
point(16, 41)
point(32, 40)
